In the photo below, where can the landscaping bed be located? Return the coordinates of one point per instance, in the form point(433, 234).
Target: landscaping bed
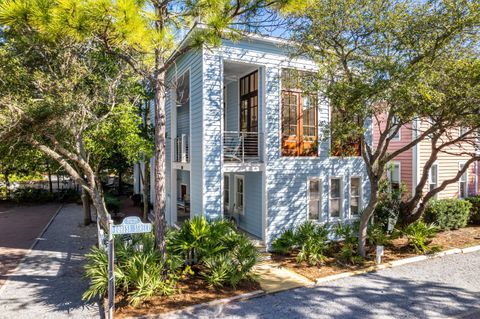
point(397, 249)
point(191, 291)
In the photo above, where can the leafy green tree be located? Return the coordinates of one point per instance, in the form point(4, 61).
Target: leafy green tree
point(394, 62)
point(143, 34)
point(70, 101)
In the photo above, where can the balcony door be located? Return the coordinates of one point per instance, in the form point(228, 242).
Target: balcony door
point(249, 103)
point(299, 124)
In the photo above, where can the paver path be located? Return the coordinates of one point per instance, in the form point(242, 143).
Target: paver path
point(48, 283)
point(19, 227)
point(437, 288)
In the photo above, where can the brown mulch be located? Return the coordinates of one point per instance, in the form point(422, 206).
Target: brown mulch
point(398, 249)
point(191, 291)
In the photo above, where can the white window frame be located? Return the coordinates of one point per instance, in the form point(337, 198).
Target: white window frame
point(226, 188)
point(189, 88)
point(237, 210)
point(390, 173)
point(430, 182)
point(460, 195)
point(398, 136)
point(340, 208)
point(319, 180)
point(360, 195)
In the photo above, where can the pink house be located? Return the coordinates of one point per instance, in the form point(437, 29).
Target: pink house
point(407, 167)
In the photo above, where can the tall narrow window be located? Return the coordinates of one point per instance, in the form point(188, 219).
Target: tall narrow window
point(355, 191)
point(226, 193)
point(433, 178)
point(249, 102)
point(299, 115)
point(239, 194)
point(182, 90)
point(396, 136)
point(463, 183)
point(394, 176)
point(314, 199)
point(335, 197)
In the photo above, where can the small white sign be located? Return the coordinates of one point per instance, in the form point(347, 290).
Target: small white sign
point(131, 225)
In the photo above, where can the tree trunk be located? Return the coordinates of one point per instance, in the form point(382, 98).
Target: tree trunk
point(366, 216)
point(146, 190)
point(159, 184)
point(120, 186)
point(58, 183)
point(87, 216)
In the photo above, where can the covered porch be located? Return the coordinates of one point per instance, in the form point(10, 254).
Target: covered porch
point(242, 113)
point(243, 202)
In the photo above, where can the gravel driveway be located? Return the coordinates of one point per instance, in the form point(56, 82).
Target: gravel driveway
point(437, 288)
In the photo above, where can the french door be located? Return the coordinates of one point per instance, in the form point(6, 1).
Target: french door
point(249, 103)
point(299, 124)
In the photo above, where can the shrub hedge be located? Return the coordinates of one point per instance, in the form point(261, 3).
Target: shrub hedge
point(474, 217)
point(448, 213)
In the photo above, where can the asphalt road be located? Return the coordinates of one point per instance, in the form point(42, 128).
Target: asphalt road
point(447, 287)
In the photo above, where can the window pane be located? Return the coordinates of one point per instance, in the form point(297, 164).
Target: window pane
point(313, 210)
point(335, 207)
point(183, 90)
point(354, 204)
point(355, 186)
point(396, 174)
point(335, 188)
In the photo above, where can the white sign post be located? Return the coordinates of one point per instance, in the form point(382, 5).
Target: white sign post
point(378, 255)
point(129, 225)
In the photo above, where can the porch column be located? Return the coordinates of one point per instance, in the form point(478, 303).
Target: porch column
point(212, 135)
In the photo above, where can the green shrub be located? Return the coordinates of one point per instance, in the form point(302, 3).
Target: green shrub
point(349, 234)
point(474, 217)
point(448, 213)
point(68, 195)
point(32, 195)
point(138, 270)
point(112, 203)
point(419, 234)
point(285, 243)
point(310, 239)
point(313, 242)
point(213, 246)
point(388, 207)
point(377, 236)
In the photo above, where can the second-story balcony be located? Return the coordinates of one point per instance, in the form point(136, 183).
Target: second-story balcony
point(241, 147)
point(181, 152)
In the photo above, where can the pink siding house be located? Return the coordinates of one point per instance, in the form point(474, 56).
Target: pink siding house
point(407, 167)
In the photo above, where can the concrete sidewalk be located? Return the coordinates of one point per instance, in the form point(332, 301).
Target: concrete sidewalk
point(48, 282)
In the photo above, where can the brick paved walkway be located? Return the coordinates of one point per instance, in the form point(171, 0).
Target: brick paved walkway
point(19, 227)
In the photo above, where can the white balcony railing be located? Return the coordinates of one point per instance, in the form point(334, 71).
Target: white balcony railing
point(241, 146)
point(181, 149)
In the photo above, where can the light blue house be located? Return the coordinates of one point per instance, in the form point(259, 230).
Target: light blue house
point(244, 143)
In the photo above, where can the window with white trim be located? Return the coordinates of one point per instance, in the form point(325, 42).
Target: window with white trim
point(395, 123)
point(355, 195)
point(314, 199)
point(226, 192)
point(433, 177)
point(239, 194)
point(182, 90)
point(335, 206)
point(394, 176)
point(462, 130)
point(463, 182)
